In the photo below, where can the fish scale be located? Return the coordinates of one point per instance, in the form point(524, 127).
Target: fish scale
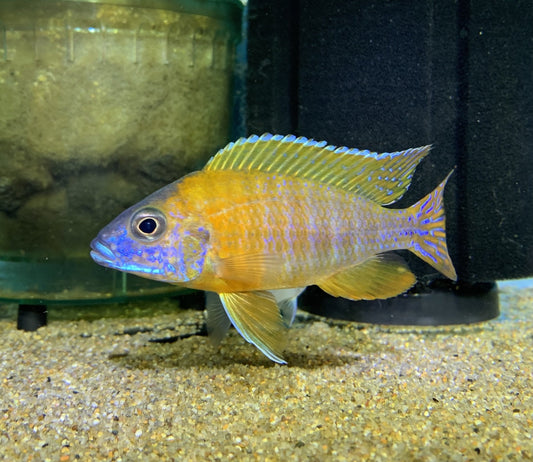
point(271, 214)
point(315, 232)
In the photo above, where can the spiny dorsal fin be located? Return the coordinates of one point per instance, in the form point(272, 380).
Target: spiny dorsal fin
point(383, 178)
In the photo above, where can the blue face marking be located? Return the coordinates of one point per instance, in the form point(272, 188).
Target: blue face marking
point(101, 252)
point(175, 256)
point(121, 252)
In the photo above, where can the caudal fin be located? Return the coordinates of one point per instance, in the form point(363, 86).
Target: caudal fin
point(430, 237)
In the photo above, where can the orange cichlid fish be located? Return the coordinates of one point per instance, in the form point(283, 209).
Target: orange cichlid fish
point(269, 215)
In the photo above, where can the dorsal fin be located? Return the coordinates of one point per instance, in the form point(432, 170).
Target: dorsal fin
point(382, 178)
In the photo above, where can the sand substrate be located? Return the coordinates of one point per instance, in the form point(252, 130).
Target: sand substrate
point(111, 384)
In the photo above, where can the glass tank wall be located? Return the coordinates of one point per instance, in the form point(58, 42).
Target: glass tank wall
point(101, 103)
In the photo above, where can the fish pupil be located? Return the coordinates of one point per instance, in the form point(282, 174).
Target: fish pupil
point(147, 226)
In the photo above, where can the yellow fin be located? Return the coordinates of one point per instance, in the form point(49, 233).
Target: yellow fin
point(254, 269)
point(257, 318)
point(381, 276)
point(382, 178)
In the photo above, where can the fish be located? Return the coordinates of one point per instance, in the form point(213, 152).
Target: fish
point(270, 215)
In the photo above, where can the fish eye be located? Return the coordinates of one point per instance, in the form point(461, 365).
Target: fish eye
point(148, 224)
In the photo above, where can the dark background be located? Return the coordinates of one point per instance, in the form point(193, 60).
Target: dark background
point(389, 75)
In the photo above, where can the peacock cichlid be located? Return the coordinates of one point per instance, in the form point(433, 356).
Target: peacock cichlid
point(269, 215)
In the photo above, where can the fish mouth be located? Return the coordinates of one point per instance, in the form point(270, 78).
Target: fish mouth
point(102, 254)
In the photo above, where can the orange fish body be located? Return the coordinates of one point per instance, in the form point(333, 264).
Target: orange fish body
point(270, 213)
point(270, 232)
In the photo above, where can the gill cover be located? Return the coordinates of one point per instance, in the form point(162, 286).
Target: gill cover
point(171, 251)
point(191, 251)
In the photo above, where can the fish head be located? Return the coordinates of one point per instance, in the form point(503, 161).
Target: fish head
point(153, 239)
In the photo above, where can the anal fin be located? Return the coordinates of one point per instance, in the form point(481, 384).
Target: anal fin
point(258, 319)
point(381, 276)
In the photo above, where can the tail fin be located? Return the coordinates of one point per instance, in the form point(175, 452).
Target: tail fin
point(430, 239)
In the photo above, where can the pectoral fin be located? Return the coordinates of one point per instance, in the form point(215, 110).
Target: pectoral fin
point(252, 269)
point(382, 276)
point(258, 319)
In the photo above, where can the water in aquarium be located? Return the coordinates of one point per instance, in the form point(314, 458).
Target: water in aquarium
point(289, 230)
